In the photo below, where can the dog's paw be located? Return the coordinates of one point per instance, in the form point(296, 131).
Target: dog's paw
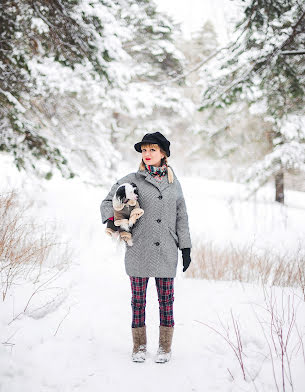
point(123, 224)
point(136, 213)
point(125, 236)
point(110, 232)
point(129, 242)
point(132, 220)
point(120, 222)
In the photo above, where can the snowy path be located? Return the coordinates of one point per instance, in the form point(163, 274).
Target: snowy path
point(91, 350)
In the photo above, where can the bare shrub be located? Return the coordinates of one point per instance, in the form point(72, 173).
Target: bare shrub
point(245, 264)
point(236, 346)
point(25, 245)
point(277, 321)
point(279, 327)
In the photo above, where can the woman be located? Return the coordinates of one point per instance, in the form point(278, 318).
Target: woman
point(156, 238)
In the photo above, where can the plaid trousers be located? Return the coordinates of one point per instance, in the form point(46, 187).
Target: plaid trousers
point(165, 289)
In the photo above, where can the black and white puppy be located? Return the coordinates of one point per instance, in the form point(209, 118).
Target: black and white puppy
point(126, 210)
point(124, 193)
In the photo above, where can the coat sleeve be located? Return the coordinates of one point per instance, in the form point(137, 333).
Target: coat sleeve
point(106, 207)
point(183, 231)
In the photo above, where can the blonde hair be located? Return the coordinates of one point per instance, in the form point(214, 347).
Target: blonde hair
point(170, 174)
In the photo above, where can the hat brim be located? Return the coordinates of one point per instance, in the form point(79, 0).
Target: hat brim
point(137, 146)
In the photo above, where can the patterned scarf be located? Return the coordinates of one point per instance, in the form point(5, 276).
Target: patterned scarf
point(156, 171)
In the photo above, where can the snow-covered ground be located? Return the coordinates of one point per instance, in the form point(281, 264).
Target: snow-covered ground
point(81, 340)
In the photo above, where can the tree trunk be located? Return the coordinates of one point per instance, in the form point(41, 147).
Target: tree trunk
point(279, 187)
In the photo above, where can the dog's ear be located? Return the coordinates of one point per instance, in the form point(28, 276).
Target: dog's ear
point(121, 193)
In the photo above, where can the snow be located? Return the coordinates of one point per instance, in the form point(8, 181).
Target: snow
point(194, 13)
point(76, 334)
point(40, 25)
point(69, 328)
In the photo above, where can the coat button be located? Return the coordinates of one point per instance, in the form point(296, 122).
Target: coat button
point(157, 243)
point(158, 220)
point(160, 197)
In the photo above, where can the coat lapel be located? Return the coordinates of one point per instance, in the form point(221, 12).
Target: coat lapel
point(161, 186)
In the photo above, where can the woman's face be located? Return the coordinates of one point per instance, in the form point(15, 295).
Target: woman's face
point(152, 155)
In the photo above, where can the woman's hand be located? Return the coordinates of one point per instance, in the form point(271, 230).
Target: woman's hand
point(186, 256)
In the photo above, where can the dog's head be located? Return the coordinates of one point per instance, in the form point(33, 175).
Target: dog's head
point(125, 193)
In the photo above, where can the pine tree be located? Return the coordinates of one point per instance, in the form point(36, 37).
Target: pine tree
point(256, 70)
point(147, 99)
point(29, 30)
point(86, 80)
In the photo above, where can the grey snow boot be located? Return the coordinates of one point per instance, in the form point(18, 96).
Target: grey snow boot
point(165, 343)
point(139, 344)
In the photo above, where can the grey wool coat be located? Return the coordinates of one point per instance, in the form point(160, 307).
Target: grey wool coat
point(159, 231)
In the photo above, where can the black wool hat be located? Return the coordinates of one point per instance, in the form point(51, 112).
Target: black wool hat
point(154, 138)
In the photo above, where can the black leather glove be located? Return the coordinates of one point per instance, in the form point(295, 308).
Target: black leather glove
point(186, 256)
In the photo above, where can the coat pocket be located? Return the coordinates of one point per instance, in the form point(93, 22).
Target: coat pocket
point(174, 236)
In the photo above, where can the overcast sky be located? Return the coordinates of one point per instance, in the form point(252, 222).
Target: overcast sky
point(193, 13)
